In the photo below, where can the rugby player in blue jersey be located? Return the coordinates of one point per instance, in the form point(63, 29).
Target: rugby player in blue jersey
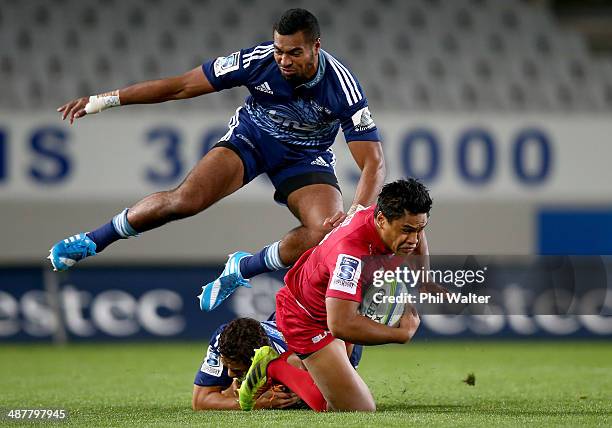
point(229, 356)
point(300, 95)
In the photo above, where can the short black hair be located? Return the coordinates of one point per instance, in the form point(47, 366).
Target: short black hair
point(294, 20)
point(240, 338)
point(403, 195)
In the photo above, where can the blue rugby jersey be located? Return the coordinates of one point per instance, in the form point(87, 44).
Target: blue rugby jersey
point(306, 115)
point(214, 373)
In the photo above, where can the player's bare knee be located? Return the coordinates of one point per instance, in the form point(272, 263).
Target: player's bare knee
point(367, 405)
point(370, 407)
point(195, 402)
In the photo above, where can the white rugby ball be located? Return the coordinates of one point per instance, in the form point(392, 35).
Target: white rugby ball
point(385, 304)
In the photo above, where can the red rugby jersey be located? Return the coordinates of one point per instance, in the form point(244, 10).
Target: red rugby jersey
point(334, 268)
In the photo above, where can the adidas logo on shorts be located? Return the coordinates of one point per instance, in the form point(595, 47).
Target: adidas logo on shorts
point(264, 87)
point(319, 161)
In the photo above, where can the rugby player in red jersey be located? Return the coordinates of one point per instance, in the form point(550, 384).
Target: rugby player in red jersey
point(317, 311)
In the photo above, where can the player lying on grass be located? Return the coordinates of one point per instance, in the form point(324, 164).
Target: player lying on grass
point(317, 311)
point(300, 96)
point(229, 355)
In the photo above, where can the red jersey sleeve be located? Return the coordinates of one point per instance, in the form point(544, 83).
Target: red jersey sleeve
point(345, 264)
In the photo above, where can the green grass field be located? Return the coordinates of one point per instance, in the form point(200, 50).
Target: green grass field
point(517, 383)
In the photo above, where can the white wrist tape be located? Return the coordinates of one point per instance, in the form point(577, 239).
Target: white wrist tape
point(98, 103)
point(355, 208)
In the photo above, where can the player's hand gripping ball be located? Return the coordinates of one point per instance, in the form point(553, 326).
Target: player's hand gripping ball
point(385, 304)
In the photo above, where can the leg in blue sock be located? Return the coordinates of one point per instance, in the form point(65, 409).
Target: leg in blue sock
point(266, 260)
point(117, 228)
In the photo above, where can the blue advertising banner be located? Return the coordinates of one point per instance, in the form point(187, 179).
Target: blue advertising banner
point(107, 304)
point(595, 236)
point(160, 303)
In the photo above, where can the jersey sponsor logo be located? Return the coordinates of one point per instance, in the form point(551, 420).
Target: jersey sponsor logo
point(290, 124)
point(264, 87)
point(212, 364)
point(224, 65)
point(346, 274)
point(362, 120)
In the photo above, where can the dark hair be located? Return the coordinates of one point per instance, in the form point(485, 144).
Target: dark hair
point(240, 338)
point(403, 195)
point(294, 20)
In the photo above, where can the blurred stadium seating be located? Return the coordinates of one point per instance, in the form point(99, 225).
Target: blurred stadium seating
point(460, 55)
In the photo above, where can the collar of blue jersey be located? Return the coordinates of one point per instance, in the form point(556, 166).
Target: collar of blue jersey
point(318, 76)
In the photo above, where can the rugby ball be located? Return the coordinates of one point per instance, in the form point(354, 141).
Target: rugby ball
point(385, 304)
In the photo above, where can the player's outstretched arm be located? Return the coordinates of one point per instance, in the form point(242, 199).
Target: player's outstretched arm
point(345, 322)
point(188, 85)
point(368, 156)
point(216, 398)
point(213, 398)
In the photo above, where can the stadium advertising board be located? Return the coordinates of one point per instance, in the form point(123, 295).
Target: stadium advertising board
point(125, 303)
point(480, 157)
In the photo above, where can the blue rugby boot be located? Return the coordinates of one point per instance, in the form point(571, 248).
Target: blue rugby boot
point(66, 253)
point(221, 288)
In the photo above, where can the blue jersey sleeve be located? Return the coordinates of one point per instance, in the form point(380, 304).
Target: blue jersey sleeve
point(277, 341)
point(212, 372)
point(236, 68)
point(352, 106)
point(358, 125)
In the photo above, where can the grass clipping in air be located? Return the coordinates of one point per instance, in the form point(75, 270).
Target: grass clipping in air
point(470, 379)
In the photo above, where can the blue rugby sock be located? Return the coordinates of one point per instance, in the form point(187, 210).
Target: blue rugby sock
point(104, 236)
point(253, 265)
point(117, 228)
point(266, 260)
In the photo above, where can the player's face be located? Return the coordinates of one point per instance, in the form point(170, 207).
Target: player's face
point(297, 58)
point(235, 369)
point(401, 235)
